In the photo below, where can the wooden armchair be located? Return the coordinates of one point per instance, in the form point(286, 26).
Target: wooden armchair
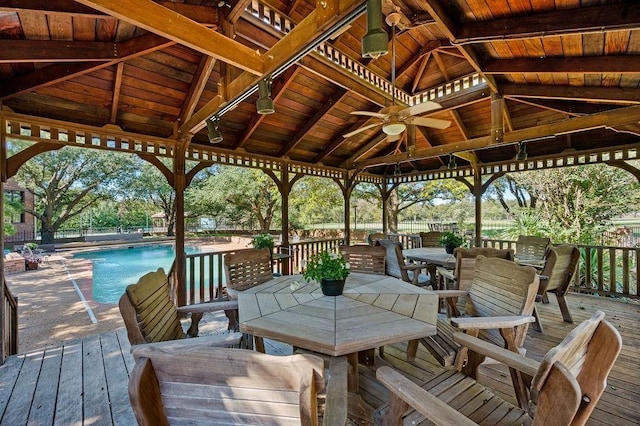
point(150, 315)
point(461, 277)
point(564, 387)
point(245, 269)
point(556, 277)
point(532, 250)
point(498, 309)
point(234, 387)
point(365, 258)
point(396, 267)
point(431, 238)
point(372, 238)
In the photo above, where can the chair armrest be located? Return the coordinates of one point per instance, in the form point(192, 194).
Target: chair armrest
point(438, 412)
point(511, 359)
point(222, 305)
point(484, 323)
point(215, 341)
point(413, 266)
point(446, 273)
point(335, 411)
point(448, 294)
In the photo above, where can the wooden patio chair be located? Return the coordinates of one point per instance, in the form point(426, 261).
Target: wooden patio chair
point(498, 309)
point(564, 387)
point(559, 270)
point(431, 238)
point(462, 276)
point(365, 258)
point(151, 317)
point(372, 238)
point(245, 269)
point(532, 250)
point(395, 265)
point(235, 387)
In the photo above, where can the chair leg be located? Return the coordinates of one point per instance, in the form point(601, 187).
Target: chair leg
point(537, 325)
point(259, 344)
point(412, 349)
point(195, 320)
point(562, 302)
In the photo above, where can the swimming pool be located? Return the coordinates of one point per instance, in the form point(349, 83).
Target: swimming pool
point(115, 269)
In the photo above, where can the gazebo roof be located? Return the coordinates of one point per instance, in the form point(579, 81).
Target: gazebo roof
point(561, 76)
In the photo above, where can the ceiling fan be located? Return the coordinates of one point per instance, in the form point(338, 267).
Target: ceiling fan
point(395, 118)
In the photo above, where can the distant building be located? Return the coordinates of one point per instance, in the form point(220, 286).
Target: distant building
point(23, 223)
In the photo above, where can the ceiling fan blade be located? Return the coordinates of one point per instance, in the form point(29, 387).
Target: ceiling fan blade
point(361, 129)
point(429, 122)
point(421, 108)
point(369, 114)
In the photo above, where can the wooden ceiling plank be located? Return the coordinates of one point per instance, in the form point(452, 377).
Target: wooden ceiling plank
point(117, 85)
point(65, 7)
point(611, 119)
point(53, 74)
point(174, 26)
point(340, 140)
point(364, 150)
point(460, 124)
point(21, 51)
point(197, 86)
point(571, 65)
point(300, 134)
point(586, 94)
point(594, 19)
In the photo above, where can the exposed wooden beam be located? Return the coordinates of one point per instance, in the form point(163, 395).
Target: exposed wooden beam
point(424, 50)
point(174, 26)
point(300, 134)
point(19, 51)
point(581, 20)
point(57, 73)
point(441, 66)
point(566, 65)
point(65, 7)
point(364, 150)
point(237, 10)
point(457, 120)
point(449, 26)
point(609, 119)
point(571, 108)
point(276, 92)
point(578, 93)
point(304, 37)
point(418, 77)
point(115, 100)
point(196, 87)
point(340, 140)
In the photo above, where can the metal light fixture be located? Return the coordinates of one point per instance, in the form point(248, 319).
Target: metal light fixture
point(375, 41)
point(214, 134)
point(452, 162)
point(265, 103)
point(394, 127)
point(522, 152)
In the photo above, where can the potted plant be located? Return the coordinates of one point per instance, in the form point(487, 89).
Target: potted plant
point(328, 269)
point(450, 241)
point(264, 240)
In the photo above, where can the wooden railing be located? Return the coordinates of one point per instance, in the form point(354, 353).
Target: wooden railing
point(204, 271)
point(9, 323)
point(603, 270)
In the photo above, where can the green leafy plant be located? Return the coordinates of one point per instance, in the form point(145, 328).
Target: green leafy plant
point(32, 246)
point(331, 266)
point(449, 238)
point(262, 241)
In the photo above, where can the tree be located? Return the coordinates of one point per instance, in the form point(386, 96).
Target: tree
point(68, 181)
point(313, 200)
point(239, 195)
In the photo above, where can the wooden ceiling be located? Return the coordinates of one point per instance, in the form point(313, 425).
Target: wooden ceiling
point(561, 75)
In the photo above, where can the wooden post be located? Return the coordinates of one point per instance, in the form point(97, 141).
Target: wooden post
point(346, 193)
point(285, 190)
point(478, 190)
point(3, 177)
point(179, 185)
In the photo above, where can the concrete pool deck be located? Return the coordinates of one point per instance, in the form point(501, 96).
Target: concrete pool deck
point(50, 310)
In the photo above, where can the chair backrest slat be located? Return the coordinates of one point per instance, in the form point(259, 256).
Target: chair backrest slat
point(248, 268)
point(530, 247)
point(431, 238)
point(394, 259)
point(365, 258)
point(561, 266)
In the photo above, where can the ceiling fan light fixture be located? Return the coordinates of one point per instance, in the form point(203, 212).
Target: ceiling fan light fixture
point(522, 152)
point(375, 41)
point(265, 105)
point(215, 136)
point(393, 128)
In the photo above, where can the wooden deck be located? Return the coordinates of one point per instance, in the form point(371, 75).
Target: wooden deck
point(85, 381)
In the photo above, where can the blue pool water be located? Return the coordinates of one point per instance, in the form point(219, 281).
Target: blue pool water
point(115, 269)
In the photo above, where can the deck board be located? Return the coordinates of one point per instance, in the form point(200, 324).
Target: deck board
point(85, 380)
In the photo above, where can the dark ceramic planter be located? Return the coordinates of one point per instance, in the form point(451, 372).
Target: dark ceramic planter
point(449, 248)
point(332, 287)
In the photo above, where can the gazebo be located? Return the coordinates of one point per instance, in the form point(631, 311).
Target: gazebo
point(467, 89)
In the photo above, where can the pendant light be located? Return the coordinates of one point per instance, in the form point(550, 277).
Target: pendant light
point(214, 134)
point(452, 162)
point(375, 41)
point(522, 152)
point(264, 104)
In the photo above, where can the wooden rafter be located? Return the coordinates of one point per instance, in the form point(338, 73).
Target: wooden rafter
point(232, 15)
point(418, 77)
point(115, 99)
point(424, 50)
point(340, 140)
point(614, 118)
point(276, 92)
point(196, 87)
point(53, 74)
point(457, 120)
point(595, 19)
point(441, 66)
point(581, 65)
point(319, 115)
point(174, 26)
point(364, 150)
point(587, 94)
